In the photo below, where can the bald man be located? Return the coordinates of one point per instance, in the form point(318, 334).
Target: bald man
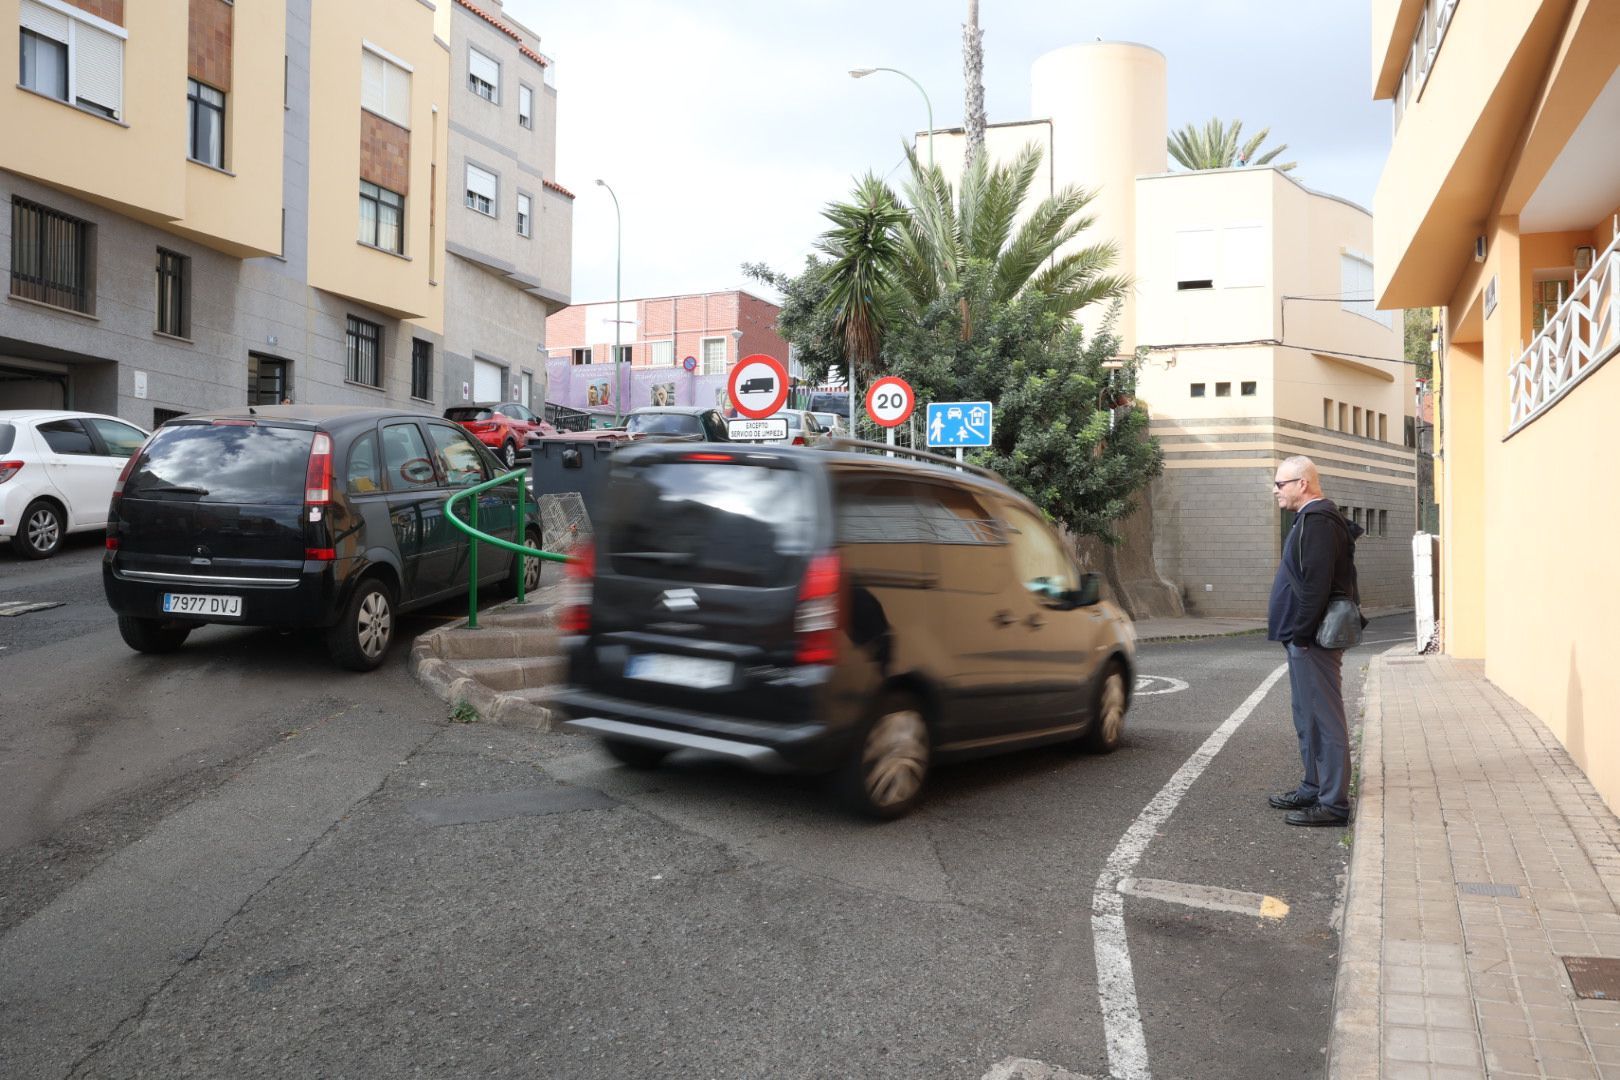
point(1318, 563)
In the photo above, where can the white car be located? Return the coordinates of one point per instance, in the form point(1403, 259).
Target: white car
point(833, 423)
point(57, 471)
point(803, 427)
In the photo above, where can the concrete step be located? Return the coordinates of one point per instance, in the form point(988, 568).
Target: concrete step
point(538, 695)
point(497, 642)
point(513, 673)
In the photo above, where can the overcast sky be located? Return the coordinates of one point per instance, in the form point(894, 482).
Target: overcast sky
point(725, 125)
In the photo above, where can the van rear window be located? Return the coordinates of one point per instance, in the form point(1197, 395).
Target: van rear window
point(224, 464)
point(8, 435)
point(710, 523)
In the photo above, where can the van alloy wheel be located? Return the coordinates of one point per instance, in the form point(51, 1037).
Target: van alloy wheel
point(894, 759)
point(374, 625)
point(1112, 715)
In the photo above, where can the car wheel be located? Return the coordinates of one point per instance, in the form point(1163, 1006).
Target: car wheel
point(360, 640)
point(884, 778)
point(152, 635)
point(40, 533)
point(530, 568)
point(634, 755)
point(509, 454)
point(1108, 724)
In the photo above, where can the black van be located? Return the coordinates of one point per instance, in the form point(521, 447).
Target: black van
point(300, 516)
point(835, 611)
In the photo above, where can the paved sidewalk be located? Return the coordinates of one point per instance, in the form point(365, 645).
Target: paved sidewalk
point(1202, 626)
point(1482, 858)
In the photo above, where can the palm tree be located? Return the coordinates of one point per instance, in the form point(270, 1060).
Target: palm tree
point(863, 248)
point(1217, 146)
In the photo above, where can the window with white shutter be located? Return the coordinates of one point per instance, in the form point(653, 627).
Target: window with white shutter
point(1195, 259)
point(98, 68)
point(663, 353)
point(1356, 289)
point(483, 189)
point(483, 76)
point(714, 356)
point(74, 58)
point(385, 88)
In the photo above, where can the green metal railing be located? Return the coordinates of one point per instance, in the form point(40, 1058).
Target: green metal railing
point(470, 527)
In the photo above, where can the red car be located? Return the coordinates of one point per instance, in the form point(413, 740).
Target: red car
point(504, 427)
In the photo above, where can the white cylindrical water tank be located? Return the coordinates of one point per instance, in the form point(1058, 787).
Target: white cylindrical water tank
point(1108, 103)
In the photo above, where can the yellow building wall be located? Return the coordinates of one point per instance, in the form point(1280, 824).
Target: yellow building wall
point(138, 166)
point(401, 286)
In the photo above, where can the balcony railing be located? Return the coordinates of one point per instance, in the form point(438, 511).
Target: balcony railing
point(1581, 335)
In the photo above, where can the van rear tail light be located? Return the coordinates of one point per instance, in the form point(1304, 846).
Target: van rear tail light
point(579, 577)
point(8, 469)
point(711, 458)
point(118, 487)
point(816, 620)
point(318, 476)
point(320, 554)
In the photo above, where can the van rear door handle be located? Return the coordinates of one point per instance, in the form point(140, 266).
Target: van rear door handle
point(1034, 622)
point(1003, 618)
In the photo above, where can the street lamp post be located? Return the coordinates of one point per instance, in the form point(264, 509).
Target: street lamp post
point(861, 73)
point(618, 326)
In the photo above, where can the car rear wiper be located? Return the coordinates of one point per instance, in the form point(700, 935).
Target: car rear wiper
point(671, 558)
point(175, 489)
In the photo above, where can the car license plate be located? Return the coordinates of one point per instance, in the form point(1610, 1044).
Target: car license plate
point(680, 670)
point(227, 607)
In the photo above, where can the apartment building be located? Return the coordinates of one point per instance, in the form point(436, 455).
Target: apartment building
point(674, 350)
point(1500, 202)
point(1251, 314)
point(509, 234)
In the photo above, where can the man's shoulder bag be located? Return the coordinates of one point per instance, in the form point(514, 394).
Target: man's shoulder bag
point(1342, 623)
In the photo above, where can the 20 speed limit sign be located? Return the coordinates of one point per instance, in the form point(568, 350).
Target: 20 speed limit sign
point(889, 401)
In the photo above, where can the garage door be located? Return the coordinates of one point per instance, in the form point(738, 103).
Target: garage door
point(489, 381)
point(24, 388)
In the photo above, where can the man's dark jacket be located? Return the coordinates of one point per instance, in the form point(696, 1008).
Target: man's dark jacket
point(1318, 563)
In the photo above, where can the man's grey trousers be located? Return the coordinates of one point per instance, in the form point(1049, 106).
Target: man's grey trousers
point(1315, 676)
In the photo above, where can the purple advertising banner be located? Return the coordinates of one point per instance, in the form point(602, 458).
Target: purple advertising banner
point(591, 386)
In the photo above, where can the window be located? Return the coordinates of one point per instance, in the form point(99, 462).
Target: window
point(267, 382)
point(207, 107)
point(365, 470)
point(525, 106)
point(482, 190)
point(527, 394)
point(582, 357)
point(714, 356)
point(1355, 514)
point(72, 57)
point(121, 440)
point(1383, 428)
point(421, 369)
point(365, 352)
point(173, 294)
point(1195, 259)
point(382, 218)
point(1327, 413)
point(1344, 417)
point(163, 416)
point(458, 456)
point(1249, 389)
point(483, 76)
point(1356, 289)
point(524, 223)
point(50, 257)
point(67, 437)
point(1223, 389)
point(663, 353)
point(1355, 420)
point(385, 89)
point(406, 464)
point(1197, 389)
point(622, 354)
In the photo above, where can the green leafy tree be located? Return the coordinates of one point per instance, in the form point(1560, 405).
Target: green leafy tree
point(1219, 146)
point(806, 319)
point(1419, 325)
point(863, 252)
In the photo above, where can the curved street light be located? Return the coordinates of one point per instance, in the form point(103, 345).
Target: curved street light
point(618, 327)
point(861, 73)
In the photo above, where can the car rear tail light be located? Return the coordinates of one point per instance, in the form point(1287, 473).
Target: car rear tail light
point(112, 543)
point(318, 476)
point(816, 621)
point(320, 554)
point(798, 440)
point(579, 576)
point(706, 457)
point(8, 469)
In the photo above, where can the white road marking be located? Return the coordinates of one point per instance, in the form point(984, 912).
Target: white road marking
point(1148, 685)
point(1025, 1069)
point(1208, 897)
point(1116, 983)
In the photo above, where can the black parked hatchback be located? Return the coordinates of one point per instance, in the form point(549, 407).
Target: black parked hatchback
point(297, 516)
point(837, 611)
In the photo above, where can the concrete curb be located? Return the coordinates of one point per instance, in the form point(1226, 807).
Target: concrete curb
point(452, 685)
point(1355, 1048)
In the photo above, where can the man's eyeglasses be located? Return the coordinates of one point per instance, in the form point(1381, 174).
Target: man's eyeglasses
point(1278, 484)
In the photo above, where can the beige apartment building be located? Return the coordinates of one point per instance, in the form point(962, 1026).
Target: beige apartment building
point(1252, 315)
point(1500, 202)
point(229, 203)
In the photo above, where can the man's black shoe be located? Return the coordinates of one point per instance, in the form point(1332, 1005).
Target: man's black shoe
point(1316, 815)
point(1291, 800)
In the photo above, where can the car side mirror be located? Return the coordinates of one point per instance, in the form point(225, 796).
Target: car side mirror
point(1090, 590)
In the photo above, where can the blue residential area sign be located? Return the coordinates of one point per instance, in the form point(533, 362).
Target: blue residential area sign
point(959, 423)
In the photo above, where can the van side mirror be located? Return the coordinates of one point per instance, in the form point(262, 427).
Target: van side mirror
point(1090, 590)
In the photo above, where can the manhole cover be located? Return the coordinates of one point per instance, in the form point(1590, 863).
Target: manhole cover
point(1486, 888)
point(1594, 976)
point(22, 607)
point(499, 805)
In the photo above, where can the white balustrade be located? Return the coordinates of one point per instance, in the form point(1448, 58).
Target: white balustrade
point(1576, 341)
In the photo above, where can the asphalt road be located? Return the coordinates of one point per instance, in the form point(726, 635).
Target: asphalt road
point(238, 862)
